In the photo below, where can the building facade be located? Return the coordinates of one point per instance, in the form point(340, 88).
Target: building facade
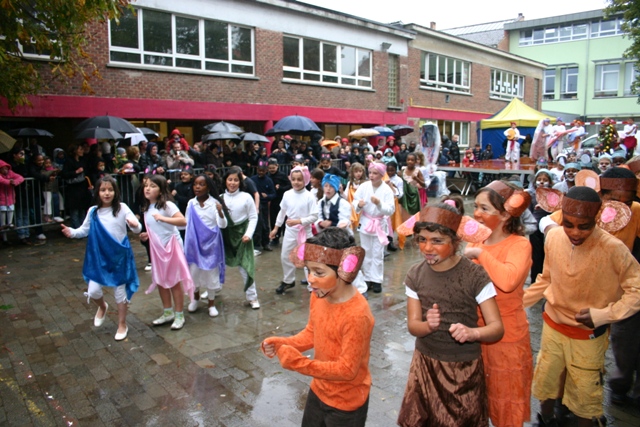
point(586, 74)
point(251, 62)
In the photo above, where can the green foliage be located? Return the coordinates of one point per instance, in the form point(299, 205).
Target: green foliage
point(630, 10)
point(55, 30)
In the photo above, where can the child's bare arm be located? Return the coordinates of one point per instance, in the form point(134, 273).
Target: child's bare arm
point(418, 324)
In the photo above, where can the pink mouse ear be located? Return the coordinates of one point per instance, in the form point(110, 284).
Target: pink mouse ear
point(406, 228)
point(613, 216)
point(450, 203)
point(550, 200)
point(296, 256)
point(472, 231)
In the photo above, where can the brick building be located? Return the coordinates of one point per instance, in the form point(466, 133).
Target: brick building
point(251, 62)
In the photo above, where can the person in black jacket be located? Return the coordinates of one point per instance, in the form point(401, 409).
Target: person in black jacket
point(325, 165)
point(282, 184)
point(454, 150)
point(267, 191)
point(77, 194)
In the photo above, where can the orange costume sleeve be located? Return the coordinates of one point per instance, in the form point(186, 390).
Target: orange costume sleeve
point(509, 273)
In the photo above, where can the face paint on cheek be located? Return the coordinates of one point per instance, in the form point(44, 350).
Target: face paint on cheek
point(491, 221)
point(325, 283)
point(435, 254)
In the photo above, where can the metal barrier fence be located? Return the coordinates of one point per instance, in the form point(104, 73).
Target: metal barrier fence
point(32, 203)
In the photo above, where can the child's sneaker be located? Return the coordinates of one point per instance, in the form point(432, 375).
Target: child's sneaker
point(213, 311)
point(147, 267)
point(193, 305)
point(178, 323)
point(255, 304)
point(165, 318)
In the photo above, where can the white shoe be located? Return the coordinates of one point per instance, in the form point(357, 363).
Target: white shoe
point(163, 319)
point(147, 267)
point(121, 336)
point(178, 323)
point(41, 237)
point(97, 321)
point(256, 252)
point(204, 295)
point(193, 305)
point(213, 311)
point(255, 304)
point(58, 219)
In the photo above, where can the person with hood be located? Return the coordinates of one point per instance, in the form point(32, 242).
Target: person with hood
point(177, 136)
point(540, 138)
point(9, 180)
point(391, 143)
point(151, 162)
point(58, 158)
point(388, 156)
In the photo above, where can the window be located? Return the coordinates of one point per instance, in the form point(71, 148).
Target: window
point(549, 90)
point(166, 40)
point(505, 85)
point(630, 74)
point(451, 128)
point(394, 81)
point(554, 34)
point(607, 80)
point(445, 73)
point(569, 83)
point(327, 63)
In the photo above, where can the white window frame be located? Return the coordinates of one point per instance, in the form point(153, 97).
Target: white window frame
point(565, 33)
point(600, 77)
point(464, 66)
point(565, 74)
point(361, 82)
point(630, 74)
point(462, 129)
point(549, 93)
point(174, 56)
point(597, 32)
point(506, 85)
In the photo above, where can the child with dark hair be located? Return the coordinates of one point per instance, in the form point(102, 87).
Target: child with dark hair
point(339, 330)
point(315, 183)
point(267, 192)
point(590, 280)
point(108, 259)
point(543, 179)
point(506, 257)
point(446, 384)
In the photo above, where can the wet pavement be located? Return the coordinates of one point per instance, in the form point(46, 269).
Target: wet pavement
point(57, 369)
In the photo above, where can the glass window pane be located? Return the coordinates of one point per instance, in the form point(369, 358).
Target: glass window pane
point(432, 67)
point(156, 31)
point(291, 75)
point(364, 64)
point(348, 62)
point(125, 34)
point(158, 60)
point(442, 69)
point(216, 40)
point(312, 77)
point(351, 82)
point(450, 68)
point(187, 36)
point(291, 53)
point(125, 57)
point(579, 31)
point(241, 44)
point(330, 58)
point(188, 63)
point(216, 66)
point(330, 79)
point(242, 69)
point(364, 83)
point(311, 55)
point(423, 65)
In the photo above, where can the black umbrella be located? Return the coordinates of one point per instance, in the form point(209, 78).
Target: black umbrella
point(107, 122)
point(297, 125)
point(30, 132)
point(254, 137)
point(98, 133)
point(402, 130)
point(216, 136)
point(223, 127)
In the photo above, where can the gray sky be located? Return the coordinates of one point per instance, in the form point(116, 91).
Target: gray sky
point(456, 13)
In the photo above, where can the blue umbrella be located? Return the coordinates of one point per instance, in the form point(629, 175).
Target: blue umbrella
point(384, 131)
point(297, 125)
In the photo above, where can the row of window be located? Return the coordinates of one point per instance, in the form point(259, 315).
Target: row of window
point(565, 33)
point(161, 39)
point(607, 78)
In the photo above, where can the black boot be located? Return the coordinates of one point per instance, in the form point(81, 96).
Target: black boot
point(553, 422)
point(376, 287)
point(280, 290)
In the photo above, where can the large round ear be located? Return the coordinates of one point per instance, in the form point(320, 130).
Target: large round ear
point(517, 203)
point(350, 263)
point(472, 231)
point(588, 178)
point(406, 228)
point(550, 200)
point(613, 216)
point(296, 256)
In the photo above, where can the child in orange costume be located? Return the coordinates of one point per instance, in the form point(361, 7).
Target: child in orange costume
point(506, 256)
point(339, 330)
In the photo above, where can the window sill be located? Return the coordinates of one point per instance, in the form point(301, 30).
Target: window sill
point(394, 108)
point(328, 85)
point(506, 99)
point(142, 67)
point(447, 91)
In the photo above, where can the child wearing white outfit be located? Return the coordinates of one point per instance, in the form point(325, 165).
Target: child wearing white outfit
point(301, 210)
point(374, 200)
point(203, 245)
point(512, 154)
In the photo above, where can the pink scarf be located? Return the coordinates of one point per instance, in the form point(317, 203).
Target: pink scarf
point(169, 265)
point(375, 227)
